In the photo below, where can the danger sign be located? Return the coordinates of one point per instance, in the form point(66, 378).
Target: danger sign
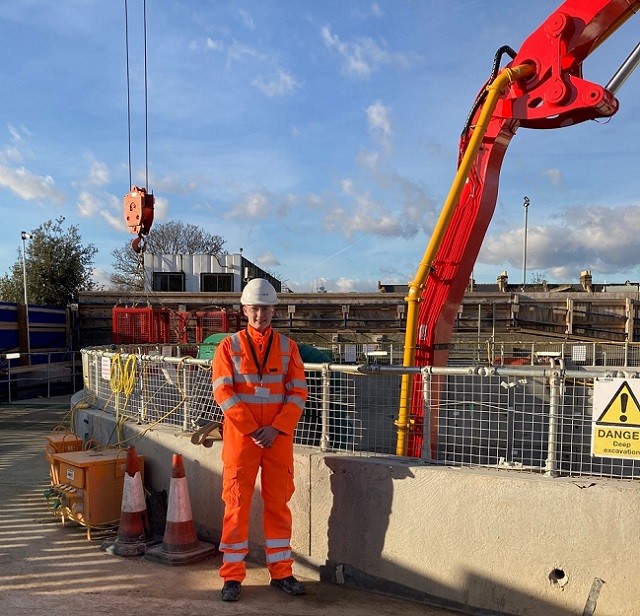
point(615, 431)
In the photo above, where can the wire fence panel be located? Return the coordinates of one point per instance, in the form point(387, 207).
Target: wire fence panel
point(529, 418)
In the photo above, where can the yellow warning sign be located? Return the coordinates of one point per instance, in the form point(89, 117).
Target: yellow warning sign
point(622, 410)
point(615, 431)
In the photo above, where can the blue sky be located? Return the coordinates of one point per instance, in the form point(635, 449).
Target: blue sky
point(319, 136)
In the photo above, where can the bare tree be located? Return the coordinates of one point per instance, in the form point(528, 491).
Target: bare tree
point(128, 269)
point(183, 239)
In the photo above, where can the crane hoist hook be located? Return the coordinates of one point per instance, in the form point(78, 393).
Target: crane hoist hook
point(138, 214)
point(139, 244)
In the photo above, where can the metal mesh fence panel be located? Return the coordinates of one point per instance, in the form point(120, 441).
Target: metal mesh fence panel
point(529, 418)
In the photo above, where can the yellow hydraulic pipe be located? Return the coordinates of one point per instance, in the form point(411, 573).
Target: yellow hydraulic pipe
point(507, 76)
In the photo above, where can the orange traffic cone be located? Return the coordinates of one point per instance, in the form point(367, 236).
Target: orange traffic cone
point(180, 545)
point(134, 532)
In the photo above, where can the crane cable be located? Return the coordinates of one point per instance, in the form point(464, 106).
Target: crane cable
point(146, 98)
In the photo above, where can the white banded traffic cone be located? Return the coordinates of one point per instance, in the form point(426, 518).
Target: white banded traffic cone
point(134, 531)
point(180, 545)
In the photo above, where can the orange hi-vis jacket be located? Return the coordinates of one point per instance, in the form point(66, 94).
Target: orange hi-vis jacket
point(271, 392)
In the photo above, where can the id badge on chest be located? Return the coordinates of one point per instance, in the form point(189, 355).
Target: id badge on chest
point(261, 392)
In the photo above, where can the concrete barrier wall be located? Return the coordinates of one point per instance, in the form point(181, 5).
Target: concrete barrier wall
point(482, 541)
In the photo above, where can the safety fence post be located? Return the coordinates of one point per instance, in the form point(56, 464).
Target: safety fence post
point(326, 407)
point(185, 394)
point(426, 427)
point(556, 380)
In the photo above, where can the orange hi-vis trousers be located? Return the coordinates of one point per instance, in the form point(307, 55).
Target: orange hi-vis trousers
point(249, 401)
point(276, 464)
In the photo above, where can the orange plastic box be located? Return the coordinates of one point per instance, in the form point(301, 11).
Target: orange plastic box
point(90, 486)
point(60, 442)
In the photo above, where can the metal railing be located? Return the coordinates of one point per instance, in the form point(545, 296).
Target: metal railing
point(38, 372)
point(527, 418)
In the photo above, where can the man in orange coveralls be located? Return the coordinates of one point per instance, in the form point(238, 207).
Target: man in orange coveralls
point(259, 383)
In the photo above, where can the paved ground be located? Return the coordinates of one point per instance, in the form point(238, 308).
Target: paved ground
point(48, 569)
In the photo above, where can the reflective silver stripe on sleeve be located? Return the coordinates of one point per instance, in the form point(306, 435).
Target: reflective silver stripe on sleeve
point(296, 400)
point(235, 342)
point(243, 545)
point(284, 343)
point(277, 556)
point(297, 383)
point(277, 543)
point(229, 402)
point(222, 380)
point(233, 557)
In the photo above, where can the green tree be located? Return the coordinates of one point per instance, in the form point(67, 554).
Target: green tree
point(164, 238)
point(57, 267)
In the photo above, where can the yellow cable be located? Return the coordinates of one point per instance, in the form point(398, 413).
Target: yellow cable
point(115, 374)
point(129, 375)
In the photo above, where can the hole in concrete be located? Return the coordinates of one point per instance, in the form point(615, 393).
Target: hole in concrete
point(558, 577)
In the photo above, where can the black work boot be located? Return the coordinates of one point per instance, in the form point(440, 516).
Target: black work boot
point(289, 585)
point(230, 591)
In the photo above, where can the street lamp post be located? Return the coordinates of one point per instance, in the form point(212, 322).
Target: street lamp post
point(25, 236)
point(525, 205)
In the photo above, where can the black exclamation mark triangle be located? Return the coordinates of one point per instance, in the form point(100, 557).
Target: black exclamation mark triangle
point(624, 398)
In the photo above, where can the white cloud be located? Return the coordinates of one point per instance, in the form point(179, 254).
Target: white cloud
point(363, 214)
point(172, 184)
point(374, 10)
point(554, 175)
point(369, 160)
point(362, 56)
point(28, 186)
point(87, 205)
point(334, 285)
point(379, 123)
point(255, 205)
point(247, 20)
point(99, 174)
point(600, 238)
point(15, 134)
point(237, 50)
point(116, 222)
point(13, 153)
point(266, 259)
point(281, 84)
point(101, 277)
point(161, 208)
point(346, 285)
point(215, 45)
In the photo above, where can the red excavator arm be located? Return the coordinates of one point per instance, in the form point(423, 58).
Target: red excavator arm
point(552, 94)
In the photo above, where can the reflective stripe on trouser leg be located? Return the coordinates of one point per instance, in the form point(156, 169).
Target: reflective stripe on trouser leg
point(277, 489)
point(237, 491)
point(233, 553)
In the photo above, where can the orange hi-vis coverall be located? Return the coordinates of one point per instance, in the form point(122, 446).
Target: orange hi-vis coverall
point(252, 396)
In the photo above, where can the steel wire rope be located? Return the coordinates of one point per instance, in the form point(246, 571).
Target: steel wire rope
point(148, 292)
point(140, 256)
point(126, 43)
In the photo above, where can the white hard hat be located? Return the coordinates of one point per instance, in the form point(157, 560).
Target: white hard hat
point(259, 292)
